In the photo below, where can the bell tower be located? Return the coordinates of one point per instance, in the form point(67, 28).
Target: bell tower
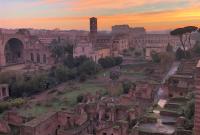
point(93, 25)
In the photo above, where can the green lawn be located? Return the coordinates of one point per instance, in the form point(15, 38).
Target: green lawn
point(65, 99)
point(84, 88)
point(34, 111)
point(68, 97)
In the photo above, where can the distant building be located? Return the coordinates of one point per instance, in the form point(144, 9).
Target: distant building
point(119, 44)
point(94, 45)
point(120, 29)
point(83, 47)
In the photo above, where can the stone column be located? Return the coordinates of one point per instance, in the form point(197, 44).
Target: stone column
point(2, 57)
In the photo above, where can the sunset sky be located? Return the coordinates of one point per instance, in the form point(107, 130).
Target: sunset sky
point(74, 14)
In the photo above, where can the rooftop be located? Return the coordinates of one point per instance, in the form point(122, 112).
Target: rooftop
point(157, 129)
point(39, 120)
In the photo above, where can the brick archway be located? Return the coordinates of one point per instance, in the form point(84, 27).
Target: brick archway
point(14, 51)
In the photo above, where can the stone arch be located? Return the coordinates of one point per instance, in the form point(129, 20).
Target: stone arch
point(14, 51)
point(44, 58)
point(32, 57)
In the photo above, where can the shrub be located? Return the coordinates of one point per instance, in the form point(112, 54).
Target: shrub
point(61, 74)
point(72, 74)
point(88, 67)
point(11, 103)
point(109, 62)
point(69, 61)
point(155, 57)
point(80, 60)
point(79, 98)
point(17, 102)
point(127, 85)
point(196, 48)
point(190, 109)
point(65, 101)
point(179, 54)
point(114, 75)
point(83, 78)
point(8, 77)
point(118, 60)
point(22, 87)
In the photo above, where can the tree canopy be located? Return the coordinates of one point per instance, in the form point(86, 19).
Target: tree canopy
point(60, 48)
point(184, 35)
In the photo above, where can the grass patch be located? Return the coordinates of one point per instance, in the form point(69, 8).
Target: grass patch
point(92, 88)
point(34, 111)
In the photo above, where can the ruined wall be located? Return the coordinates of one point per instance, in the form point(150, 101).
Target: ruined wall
point(197, 104)
point(41, 126)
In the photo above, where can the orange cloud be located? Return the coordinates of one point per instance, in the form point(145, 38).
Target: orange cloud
point(151, 20)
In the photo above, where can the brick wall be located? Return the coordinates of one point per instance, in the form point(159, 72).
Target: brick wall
point(197, 105)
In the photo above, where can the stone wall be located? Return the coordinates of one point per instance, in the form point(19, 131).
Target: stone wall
point(44, 125)
point(197, 104)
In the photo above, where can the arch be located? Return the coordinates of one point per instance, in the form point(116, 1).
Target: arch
point(14, 51)
point(44, 58)
point(38, 58)
point(32, 57)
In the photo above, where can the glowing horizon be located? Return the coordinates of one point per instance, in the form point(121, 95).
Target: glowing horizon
point(74, 14)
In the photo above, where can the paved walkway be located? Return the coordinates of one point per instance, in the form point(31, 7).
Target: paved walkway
point(172, 71)
point(159, 126)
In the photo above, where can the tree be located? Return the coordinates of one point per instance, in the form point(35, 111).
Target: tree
point(107, 62)
point(23, 32)
point(60, 48)
point(189, 109)
point(169, 48)
point(196, 48)
point(118, 60)
point(155, 57)
point(180, 32)
point(127, 85)
point(166, 59)
point(80, 60)
point(190, 30)
point(89, 67)
point(21, 87)
point(184, 35)
point(180, 54)
point(114, 75)
point(80, 98)
point(63, 74)
point(69, 61)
